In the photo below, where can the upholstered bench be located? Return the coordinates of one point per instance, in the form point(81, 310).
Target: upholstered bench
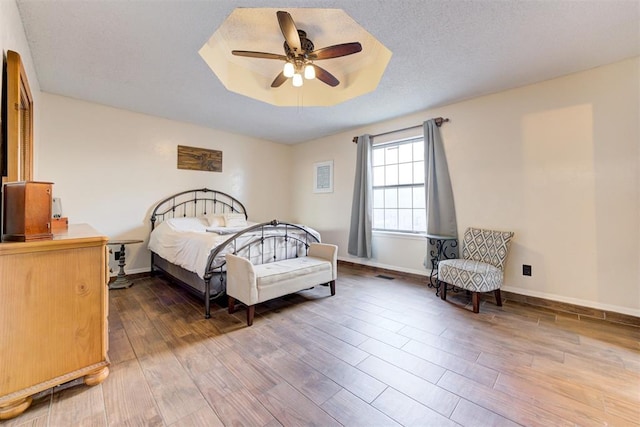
point(253, 284)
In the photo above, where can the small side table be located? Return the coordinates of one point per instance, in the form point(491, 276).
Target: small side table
point(444, 249)
point(121, 281)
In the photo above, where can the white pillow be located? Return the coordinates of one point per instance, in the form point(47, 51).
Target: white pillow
point(215, 220)
point(187, 224)
point(235, 220)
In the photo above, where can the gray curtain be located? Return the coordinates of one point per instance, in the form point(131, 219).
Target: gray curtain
point(361, 208)
point(441, 211)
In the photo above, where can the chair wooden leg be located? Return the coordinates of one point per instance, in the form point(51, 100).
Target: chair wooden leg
point(498, 297)
point(232, 305)
point(443, 290)
point(251, 310)
point(475, 297)
point(332, 285)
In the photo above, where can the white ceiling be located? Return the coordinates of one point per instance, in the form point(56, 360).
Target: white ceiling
point(143, 55)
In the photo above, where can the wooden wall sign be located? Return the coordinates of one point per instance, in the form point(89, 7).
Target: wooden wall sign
point(199, 159)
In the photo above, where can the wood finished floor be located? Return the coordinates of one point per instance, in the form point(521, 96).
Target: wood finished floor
point(381, 352)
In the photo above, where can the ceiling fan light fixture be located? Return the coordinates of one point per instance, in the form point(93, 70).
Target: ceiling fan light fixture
point(288, 70)
point(309, 72)
point(248, 73)
point(297, 80)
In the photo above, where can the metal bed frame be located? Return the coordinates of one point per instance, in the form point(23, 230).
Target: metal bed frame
point(290, 240)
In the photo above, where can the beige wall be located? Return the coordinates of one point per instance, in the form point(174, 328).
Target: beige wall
point(111, 166)
point(556, 162)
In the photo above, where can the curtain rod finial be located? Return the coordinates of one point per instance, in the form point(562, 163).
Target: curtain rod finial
point(440, 120)
point(355, 139)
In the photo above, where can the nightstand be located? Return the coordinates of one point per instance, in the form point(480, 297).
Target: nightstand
point(445, 248)
point(121, 281)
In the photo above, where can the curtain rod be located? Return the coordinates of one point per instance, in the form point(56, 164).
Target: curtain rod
point(439, 121)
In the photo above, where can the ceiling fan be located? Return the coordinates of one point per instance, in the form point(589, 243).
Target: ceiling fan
point(300, 55)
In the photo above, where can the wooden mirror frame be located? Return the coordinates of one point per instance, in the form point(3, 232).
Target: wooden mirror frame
point(19, 126)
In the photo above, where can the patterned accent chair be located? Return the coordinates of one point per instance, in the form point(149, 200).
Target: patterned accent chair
point(481, 268)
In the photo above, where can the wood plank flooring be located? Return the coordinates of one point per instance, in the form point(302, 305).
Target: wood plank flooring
point(380, 352)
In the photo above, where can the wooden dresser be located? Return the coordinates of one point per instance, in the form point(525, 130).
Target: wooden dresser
point(53, 315)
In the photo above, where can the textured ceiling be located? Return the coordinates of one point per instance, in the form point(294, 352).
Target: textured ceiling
point(143, 55)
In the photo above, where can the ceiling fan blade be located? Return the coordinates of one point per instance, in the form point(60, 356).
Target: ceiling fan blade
point(280, 78)
point(336, 51)
point(325, 76)
point(264, 55)
point(289, 31)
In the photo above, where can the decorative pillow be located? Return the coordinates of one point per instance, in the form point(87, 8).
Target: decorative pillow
point(235, 220)
point(215, 220)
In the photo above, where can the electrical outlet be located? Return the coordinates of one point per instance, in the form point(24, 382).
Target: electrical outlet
point(526, 270)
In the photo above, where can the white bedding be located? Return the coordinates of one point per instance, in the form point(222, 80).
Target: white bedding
point(187, 242)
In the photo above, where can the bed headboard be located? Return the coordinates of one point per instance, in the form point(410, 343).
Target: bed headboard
point(193, 203)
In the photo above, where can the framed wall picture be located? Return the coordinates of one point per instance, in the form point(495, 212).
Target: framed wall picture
point(323, 177)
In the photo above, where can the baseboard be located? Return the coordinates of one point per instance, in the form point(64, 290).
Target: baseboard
point(134, 275)
point(372, 268)
point(574, 309)
point(581, 312)
point(114, 271)
point(357, 261)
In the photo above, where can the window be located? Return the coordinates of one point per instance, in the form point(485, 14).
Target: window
point(398, 186)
